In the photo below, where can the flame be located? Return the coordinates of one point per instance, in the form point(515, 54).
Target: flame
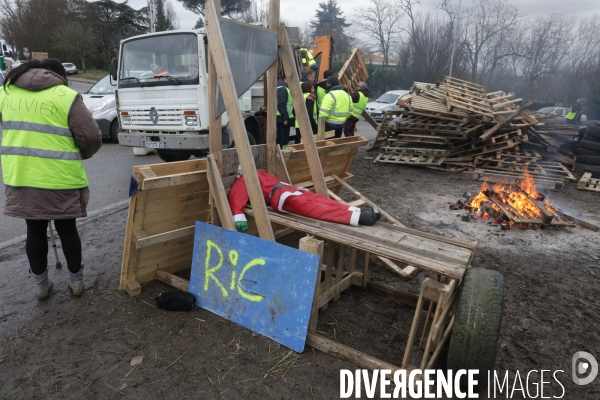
point(515, 201)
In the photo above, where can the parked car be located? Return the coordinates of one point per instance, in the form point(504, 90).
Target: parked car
point(100, 100)
point(70, 68)
point(561, 113)
point(385, 102)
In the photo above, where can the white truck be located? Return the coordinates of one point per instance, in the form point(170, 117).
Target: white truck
point(162, 95)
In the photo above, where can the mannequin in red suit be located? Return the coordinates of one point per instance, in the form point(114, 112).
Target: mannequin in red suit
point(287, 198)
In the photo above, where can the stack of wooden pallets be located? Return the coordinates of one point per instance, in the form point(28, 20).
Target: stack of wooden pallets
point(456, 125)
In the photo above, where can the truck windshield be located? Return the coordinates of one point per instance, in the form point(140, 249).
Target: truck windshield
point(160, 61)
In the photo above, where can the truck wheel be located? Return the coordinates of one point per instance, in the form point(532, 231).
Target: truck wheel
point(250, 139)
point(114, 131)
point(174, 155)
point(254, 128)
point(474, 339)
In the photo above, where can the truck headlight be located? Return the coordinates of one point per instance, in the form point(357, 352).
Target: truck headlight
point(191, 120)
point(98, 106)
point(126, 119)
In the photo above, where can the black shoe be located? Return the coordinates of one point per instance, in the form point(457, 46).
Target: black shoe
point(367, 216)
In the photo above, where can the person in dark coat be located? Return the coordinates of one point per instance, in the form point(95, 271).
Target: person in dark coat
point(310, 100)
point(359, 101)
point(47, 132)
point(285, 114)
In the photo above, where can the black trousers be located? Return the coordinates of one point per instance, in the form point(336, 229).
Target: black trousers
point(283, 133)
point(339, 129)
point(36, 245)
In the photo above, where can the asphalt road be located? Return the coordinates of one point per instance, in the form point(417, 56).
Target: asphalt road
point(109, 172)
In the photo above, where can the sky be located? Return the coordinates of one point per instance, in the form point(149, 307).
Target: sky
point(299, 12)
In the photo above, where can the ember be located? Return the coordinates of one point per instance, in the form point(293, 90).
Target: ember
point(509, 203)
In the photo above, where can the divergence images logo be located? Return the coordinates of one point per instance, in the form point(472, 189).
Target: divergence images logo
point(584, 363)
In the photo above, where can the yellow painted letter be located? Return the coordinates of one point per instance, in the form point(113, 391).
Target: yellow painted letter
point(209, 272)
point(242, 292)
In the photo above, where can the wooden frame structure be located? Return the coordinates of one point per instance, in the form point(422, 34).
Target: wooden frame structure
point(162, 214)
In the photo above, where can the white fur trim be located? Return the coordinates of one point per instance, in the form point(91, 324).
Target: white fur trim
point(239, 217)
point(284, 196)
point(355, 215)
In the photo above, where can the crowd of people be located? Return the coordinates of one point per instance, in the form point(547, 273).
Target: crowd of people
point(327, 99)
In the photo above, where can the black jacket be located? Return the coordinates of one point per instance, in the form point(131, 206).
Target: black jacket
point(282, 98)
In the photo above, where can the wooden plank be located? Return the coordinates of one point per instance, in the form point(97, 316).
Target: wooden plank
point(312, 155)
point(315, 246)
point(271, 139)
point(499, 125)
point(142, 242)
point(335, 290)
point(171, 180)
point(219, 55)
point(218, 194)
point(173, 280)
point(125, 260)
point(133, 288)
point(215, 127)
point(339, 350)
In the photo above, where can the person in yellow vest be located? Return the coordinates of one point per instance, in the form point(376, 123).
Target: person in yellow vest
point(574, 115)
point(322, 87)
point(335, 107)
point(310, 101)
point(47, 132)
point(285, 112)
point(312, 64)
point(360, 98)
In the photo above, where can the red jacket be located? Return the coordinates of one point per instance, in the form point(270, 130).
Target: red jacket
point(238, 196)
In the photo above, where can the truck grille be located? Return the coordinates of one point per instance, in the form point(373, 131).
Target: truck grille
point(165, 117)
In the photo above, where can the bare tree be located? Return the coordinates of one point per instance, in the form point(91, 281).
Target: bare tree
point(489, 22)
point(258, 11)
point(381, 20)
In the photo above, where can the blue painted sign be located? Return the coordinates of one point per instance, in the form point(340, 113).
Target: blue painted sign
point(261, 285)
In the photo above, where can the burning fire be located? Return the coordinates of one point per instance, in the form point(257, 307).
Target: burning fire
point(509, 203)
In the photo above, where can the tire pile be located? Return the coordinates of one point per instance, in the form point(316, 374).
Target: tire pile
point(588, 148)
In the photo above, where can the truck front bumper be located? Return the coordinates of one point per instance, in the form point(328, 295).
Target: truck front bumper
point(160, 141)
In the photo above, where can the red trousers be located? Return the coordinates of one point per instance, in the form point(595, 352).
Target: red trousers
point(319, 207)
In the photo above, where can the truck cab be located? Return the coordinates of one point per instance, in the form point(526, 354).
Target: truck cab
point(162, 95)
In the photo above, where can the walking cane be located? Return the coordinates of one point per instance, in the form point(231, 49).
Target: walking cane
point(58, 264)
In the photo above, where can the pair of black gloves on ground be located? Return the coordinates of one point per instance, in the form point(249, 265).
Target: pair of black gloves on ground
point(175, 301)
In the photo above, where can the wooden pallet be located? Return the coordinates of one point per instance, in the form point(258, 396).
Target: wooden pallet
point(396, 155)
point(588, 183)
point(353, 71)
point(485, 175)
point(467, 97)
point(542, 168)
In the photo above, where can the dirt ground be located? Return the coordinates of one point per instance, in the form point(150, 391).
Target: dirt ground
point(69, 347)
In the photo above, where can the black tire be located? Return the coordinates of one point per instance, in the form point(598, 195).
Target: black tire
point(476, 329)
point(250, 139)
point(174, 155)
point(593, 130)
point(590, 138)
point(585, 152)
point(114, 131)
point(588, 159)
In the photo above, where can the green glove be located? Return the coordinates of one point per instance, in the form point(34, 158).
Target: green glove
point(242, 225)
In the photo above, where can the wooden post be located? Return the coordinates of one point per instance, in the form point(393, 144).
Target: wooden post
point(215, 128)
point(271, 84)
point(312, 155)
point(321, 128)
point(315, 246)
point(218, 194)
point(219, 56)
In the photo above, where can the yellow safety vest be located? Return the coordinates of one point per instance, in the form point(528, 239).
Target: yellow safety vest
point(296, 125)
point(289, 106)
point(360, 106)
point(38, 149)
point(311, 59)
point(336, 106)
point(320, 94)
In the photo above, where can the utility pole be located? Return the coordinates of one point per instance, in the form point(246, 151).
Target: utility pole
point(152, 9)
point(454, 39)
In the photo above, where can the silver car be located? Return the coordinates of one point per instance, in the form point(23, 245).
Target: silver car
point(100, 100)
point(385, 102)
point(70, 68)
